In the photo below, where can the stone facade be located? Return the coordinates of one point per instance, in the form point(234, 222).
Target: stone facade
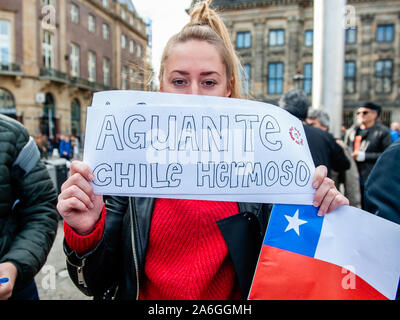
point(365, 54)
point(38, 67)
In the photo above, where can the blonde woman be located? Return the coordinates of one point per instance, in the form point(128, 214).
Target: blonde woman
point(142, 248)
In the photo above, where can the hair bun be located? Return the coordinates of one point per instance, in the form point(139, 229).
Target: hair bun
point(202, 14)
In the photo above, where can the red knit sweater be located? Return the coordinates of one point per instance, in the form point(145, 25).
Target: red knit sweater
point(187, 257)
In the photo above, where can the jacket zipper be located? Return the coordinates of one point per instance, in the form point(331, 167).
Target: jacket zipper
point(135, 260)
point(79, 272)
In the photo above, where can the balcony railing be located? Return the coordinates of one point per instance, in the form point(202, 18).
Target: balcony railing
point(62, 77)
point(53, 75)
point(12, 69)
point(89, 85)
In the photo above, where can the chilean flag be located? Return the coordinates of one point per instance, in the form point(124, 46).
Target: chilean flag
point(347, 254)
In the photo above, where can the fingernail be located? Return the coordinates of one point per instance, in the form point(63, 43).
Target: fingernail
point(315, 184)
point(315, 203)
point(320, 213)
point(91, 176)
point(91, 205)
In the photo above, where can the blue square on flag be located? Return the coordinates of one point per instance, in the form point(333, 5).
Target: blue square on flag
point(295, 228)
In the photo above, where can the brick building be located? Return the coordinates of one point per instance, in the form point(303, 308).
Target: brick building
point(54, 54)
point(275, 41)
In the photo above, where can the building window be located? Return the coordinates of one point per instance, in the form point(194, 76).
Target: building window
point(105, 3)
point(106, 32)
point(275, 78)
point(75, 117)
point(5, 42)
point(106, 72)
point(74, 13)
point(384, 33)
point(243, 40)
point(348, 118)
point(123, 14)
point(350, 77)
point(131, 46)
point(48, 121)
point(247, 78)
point(75, 60)
point(139, 51)
point(308, 38)
point(48, 50)
point(123, 41)
point(276, 37)
point(92, 66)
point(132, 79)
point(386, 118)
point(308, 78)
point(7, 104)
point(124, 78)
point(383, 76)
point(91, 23)
point(351, 36)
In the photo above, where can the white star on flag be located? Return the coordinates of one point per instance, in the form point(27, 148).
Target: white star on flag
point(294, 222)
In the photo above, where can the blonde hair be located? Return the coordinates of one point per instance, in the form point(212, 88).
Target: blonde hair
point(206, 25)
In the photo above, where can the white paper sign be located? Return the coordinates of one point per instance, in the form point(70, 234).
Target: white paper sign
point(196, 147)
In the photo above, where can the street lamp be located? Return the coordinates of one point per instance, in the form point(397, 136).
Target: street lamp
point(298, 80)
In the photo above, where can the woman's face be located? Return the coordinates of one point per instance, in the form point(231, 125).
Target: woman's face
point(195, 67)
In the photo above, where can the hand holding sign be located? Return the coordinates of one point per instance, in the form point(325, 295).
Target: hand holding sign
point(77, 203)
point(81, 208)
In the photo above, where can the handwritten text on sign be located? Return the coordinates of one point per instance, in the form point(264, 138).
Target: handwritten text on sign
point(199, 152)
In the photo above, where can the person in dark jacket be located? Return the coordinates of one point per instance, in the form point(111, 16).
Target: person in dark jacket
point(323, 147)
point(382, 188)
point(367, 139)
point(28, 215)
point(143, 248)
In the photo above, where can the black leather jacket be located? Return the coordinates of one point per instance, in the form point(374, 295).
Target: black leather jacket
point(115, 268)
point(374, 142)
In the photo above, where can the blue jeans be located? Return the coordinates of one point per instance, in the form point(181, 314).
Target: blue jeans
point(29, 292)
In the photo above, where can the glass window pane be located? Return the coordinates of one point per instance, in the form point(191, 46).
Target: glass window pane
point(271, 86)
point(272, 70)
point(308, 38)
point(380, 34)
point(281, 37)
point(387, 85)
point(247, 40)
point(272, 38)
point(279, 70)
point(378, 68)
point(279, 87)
point(4, 28)
point(389, 33)
point(239, 41)
point(378, 85)
point(388, 68)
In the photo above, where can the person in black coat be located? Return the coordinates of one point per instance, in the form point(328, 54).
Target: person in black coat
point(323, 147)
point(368, 139)
point(382, 189)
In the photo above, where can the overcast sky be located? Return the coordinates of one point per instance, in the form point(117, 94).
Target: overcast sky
point(168, 17)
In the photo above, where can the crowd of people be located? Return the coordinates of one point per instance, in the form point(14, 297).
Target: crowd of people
point(117, 245)
point(63, 146)
point(351, 157)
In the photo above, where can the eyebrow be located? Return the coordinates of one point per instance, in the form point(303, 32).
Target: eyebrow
point(205, 73)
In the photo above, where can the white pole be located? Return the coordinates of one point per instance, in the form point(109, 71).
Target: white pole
point(328, 60)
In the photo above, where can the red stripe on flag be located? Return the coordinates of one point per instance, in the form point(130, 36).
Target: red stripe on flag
point(286, 275)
